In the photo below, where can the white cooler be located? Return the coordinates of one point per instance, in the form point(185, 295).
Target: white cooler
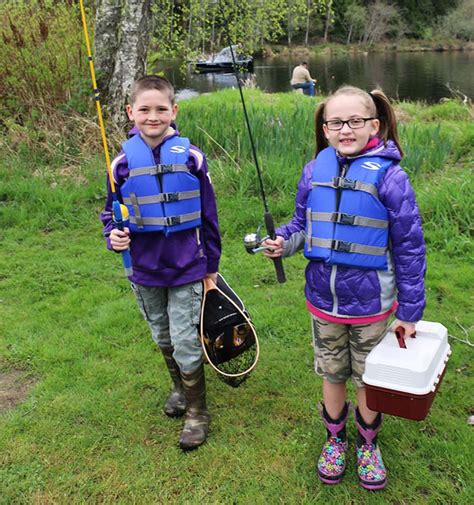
point(404, 381)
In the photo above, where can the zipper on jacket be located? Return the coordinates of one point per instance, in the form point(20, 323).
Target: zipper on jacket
point(332, 287)
point(332, 279)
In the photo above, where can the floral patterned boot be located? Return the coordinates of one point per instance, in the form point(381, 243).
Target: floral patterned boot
point(332, 461)
point(370, 467)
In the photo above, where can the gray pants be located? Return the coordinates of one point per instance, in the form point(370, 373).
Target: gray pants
point(173, 317)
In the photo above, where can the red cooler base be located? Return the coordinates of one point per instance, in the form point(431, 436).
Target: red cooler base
point(400, 404)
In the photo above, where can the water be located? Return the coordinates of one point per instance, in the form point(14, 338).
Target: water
point(405, 76)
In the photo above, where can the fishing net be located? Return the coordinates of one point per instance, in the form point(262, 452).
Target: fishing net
point(229, 340)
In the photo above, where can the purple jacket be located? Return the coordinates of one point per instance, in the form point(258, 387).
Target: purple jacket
point(352, 292)
point(182, 257)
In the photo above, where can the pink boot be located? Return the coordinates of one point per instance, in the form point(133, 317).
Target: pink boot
point(332, 462)
point(370, 467)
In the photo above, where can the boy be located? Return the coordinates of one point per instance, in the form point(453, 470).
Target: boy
point(173, 238)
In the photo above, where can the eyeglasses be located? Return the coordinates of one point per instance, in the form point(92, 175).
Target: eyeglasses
point(353, 123)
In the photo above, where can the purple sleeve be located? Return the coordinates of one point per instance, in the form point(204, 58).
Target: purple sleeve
point(407, 243)
point(120, 172)
point(298, 221)
point(210, 224)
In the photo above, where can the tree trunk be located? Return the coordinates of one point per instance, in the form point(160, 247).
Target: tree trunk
point(121, 44)
point(327, 21)
point(349, 35)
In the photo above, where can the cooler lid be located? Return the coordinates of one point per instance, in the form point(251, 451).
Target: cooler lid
point(414, 369)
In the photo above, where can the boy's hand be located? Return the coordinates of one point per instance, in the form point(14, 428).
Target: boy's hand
point(276, 245)
point(213, 277)
point(120, 239)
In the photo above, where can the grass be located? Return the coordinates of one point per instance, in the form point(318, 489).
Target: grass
point(92, 431)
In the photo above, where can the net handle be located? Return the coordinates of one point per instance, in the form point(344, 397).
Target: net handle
point(208, 286)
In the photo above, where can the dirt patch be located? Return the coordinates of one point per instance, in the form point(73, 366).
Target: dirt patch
point(14, 388)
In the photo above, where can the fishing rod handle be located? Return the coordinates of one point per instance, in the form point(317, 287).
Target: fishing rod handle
point(119, 223)
point(270, 226)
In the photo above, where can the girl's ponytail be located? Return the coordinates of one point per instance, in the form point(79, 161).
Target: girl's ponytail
point(387, 118)
point(321, 140)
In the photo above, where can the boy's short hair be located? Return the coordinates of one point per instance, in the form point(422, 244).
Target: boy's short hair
point(151, 82)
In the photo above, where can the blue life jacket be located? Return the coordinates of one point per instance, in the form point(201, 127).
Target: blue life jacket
point(346, 224)
point(165, 197)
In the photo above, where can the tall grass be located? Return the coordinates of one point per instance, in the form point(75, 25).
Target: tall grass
point(42, 58)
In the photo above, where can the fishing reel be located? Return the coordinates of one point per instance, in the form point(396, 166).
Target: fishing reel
point(253, 242)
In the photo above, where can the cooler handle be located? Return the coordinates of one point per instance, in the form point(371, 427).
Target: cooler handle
point(400, 334)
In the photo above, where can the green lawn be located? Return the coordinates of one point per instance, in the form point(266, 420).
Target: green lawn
point(92, 431)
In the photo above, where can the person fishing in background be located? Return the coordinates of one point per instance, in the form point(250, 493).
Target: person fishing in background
point(174, 242)
point(301, 79)
point(357, 218)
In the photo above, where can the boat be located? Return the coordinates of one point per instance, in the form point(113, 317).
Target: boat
point(222, 62)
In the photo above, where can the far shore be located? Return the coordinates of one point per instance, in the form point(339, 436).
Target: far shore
point(319, 48)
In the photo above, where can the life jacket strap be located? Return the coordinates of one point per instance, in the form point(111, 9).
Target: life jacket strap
point(347, 247)
point(166, 168)
point(162, 197)
point(136, 209)
point(166, 221)
point(342, 218)
point(343, 183)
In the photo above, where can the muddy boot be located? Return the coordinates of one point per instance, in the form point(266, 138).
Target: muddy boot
point(370, 467)
point(175, 405)
point(332, 462)
point(196, 422)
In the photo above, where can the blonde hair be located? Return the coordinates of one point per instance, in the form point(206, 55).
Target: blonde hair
point(378, 106)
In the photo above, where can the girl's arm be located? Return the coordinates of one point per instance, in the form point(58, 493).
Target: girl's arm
point(407, 243)
point(290, 237)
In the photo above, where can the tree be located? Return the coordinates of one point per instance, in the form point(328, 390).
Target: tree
point(458, 23)
point(354, 20)
point(383, 19)
point(121, 45)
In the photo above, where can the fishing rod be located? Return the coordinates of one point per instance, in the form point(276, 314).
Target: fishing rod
point(268, 218)
point(120, 212)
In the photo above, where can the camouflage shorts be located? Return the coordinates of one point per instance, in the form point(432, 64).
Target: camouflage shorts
point(340, 350)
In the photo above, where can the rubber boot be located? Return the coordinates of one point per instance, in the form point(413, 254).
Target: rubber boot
point(196, 422)
point(175, 404)
point(332, 461)
point(370, 468)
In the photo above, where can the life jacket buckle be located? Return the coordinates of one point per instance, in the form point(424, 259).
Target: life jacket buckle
point(173, 220)
point(170, 197)
point(341, 246)
point(343, 218)
point(166, 168)
point(343, 183)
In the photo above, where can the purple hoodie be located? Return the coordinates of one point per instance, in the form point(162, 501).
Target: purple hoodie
point(182, 257)
point(342, 291)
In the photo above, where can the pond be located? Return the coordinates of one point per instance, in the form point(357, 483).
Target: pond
point(424, 76)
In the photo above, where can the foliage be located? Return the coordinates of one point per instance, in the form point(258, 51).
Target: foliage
point(197, 27)
point(42, 57)
point(459, 22)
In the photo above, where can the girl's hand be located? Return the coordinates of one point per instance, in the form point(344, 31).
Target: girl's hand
point(408, 327)
point(276, 245)
point(120, 239)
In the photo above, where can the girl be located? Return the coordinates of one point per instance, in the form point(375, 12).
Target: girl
point(357, 218)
